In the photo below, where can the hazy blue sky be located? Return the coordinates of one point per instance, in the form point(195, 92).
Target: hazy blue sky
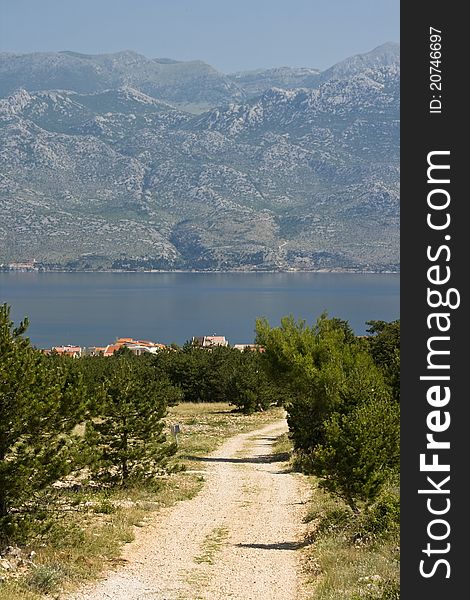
point(230, 35)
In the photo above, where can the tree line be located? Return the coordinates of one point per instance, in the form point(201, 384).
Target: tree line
point(342, 398)
point(105, 415)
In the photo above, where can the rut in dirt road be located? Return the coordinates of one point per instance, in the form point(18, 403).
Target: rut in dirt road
point(239, 538)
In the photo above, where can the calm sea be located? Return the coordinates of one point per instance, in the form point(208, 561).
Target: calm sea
point(90, 309)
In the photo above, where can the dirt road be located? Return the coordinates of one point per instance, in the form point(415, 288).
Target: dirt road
point(239, 538)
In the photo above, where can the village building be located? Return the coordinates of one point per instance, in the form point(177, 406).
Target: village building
point(209, 341)
point(251, 347)
point(137, 347)
point(27, 265)
point(73, 351)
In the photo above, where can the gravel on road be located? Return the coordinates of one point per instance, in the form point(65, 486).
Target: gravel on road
point(239, 538)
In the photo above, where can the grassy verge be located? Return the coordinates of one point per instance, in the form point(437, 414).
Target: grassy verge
point(85, 530)
point(282, 448)
point(352, 557)
point(205, 426)
point(349, 557)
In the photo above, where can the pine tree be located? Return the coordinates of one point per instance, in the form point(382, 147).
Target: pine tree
point(126, 435)
point(249, 387)
point(361, 451)
point(314, 366)
point(384, 346)
point(40, 403)
point(342, 419)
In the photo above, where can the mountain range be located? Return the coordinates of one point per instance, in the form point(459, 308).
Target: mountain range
point(118, 161)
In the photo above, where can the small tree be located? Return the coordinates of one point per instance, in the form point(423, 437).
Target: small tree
point(190, 370)
point(384, 346)
point(126, 435)
point(249, 388)
point(343, 423)
point(40, 403)
point(361, 451)
point(315, 367)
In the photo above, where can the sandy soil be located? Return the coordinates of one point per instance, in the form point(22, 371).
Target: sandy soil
point(239, 538)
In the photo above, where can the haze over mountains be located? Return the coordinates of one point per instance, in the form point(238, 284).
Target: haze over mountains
point(120, 161)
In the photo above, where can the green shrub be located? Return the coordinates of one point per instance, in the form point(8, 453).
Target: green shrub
point(105, 508)
point(40, 404)
point(373, 524)
point(361, 451)
point(45, 578)
point(383, 516)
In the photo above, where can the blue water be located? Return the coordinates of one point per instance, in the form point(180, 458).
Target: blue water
point(90, 309)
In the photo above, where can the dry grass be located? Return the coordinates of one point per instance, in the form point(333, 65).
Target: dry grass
point(339, 564)
point(204, 426)
point(283, 447)
point(89, 536)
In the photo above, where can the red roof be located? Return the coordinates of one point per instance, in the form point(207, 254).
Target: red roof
point(111, 349)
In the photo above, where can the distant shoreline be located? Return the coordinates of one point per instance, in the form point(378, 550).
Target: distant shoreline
point(215, 272)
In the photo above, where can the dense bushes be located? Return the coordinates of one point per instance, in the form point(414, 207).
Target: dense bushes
point(220, 374)
point(341, 400)
point(384, 347)
point(44, 400)
point(360, 452)
point(40, 404)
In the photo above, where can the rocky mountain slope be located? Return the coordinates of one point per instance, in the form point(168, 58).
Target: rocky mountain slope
point(192, 84)
point(108, 162)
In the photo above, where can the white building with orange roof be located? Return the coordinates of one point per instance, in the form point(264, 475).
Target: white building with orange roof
point(73, 351)
point(209, 341)
point(138, 347)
